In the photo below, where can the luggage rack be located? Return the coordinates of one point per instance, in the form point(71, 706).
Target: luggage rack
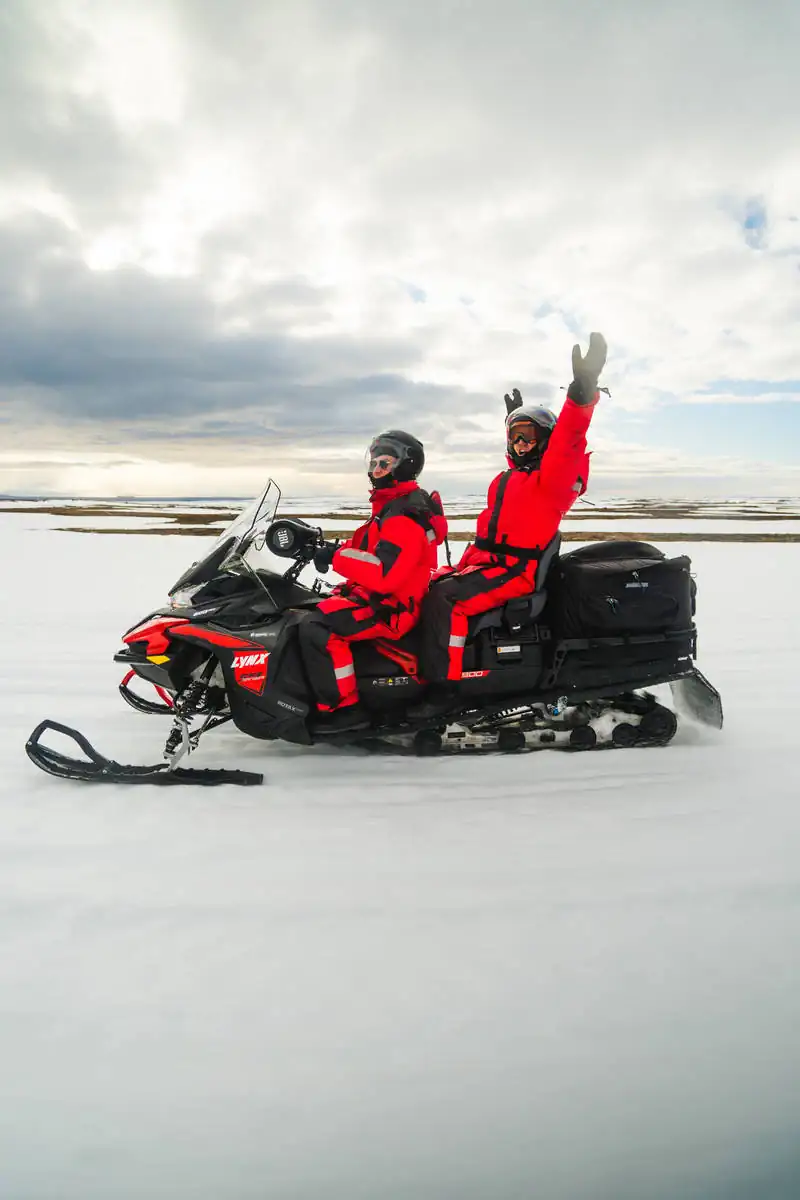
point(680, 646)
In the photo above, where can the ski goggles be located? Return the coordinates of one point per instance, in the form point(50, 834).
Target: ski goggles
point(524, 431)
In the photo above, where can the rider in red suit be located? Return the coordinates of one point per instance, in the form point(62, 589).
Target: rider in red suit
point(387, 566)
point(548, 468)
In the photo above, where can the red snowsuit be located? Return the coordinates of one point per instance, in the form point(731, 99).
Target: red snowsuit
point(523, 513)
point(387, 564)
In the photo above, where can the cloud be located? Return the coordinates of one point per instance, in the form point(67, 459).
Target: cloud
point(126, 345)
point(776, 397)
point(222, 233)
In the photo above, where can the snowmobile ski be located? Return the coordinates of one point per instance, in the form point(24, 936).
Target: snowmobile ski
point(96, 768)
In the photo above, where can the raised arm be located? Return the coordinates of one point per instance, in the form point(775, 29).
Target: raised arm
point(565, 457)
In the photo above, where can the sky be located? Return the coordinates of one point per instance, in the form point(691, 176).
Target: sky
point(241, 238)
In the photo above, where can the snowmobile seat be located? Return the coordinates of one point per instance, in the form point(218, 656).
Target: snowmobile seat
point(513, 616)
point(523, 610)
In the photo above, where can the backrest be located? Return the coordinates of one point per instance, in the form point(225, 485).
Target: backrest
point(547, 561)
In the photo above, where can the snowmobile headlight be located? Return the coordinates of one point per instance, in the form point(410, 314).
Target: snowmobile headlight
point(183, 598)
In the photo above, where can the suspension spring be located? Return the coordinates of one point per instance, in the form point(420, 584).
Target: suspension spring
point(186, 705)
point(190, 699)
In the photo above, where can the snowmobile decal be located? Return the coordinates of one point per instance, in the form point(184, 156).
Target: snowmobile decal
point(249, 660)
point(250, 671)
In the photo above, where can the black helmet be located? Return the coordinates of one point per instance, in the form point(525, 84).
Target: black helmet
point(406, 451)
point(543, 421)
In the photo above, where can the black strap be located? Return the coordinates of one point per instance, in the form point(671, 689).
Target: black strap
point(498, 504)
point(377, 602)
point(504, 550)
point(416, 505)
point(360, 542)
point(383, 610)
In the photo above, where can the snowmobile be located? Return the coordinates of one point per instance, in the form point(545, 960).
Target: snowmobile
point(566, 667)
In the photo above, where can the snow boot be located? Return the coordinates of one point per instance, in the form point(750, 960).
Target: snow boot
point(341, 720)
point(439, 699)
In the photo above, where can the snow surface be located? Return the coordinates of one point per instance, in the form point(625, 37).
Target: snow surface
point(90, 523)
point(550, 976)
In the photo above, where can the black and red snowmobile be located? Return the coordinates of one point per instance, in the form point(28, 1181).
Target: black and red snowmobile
point(566, 667)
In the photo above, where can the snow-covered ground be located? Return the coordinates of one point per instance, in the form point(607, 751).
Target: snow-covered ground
point(551, 976)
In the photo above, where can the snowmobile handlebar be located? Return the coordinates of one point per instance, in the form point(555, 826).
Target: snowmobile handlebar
point(292, 538)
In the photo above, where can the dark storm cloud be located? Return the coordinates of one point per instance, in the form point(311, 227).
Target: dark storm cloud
point(147, 355)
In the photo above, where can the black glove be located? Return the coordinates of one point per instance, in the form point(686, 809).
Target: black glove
point(324, 556)
point(586, 369)
point(513, 401)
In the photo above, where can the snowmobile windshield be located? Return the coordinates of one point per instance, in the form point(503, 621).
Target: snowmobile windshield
point(243, 538)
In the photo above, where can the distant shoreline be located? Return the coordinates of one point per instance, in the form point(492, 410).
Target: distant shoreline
point(209, 518)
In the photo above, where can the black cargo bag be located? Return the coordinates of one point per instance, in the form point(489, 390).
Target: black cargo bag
point(609, 589)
